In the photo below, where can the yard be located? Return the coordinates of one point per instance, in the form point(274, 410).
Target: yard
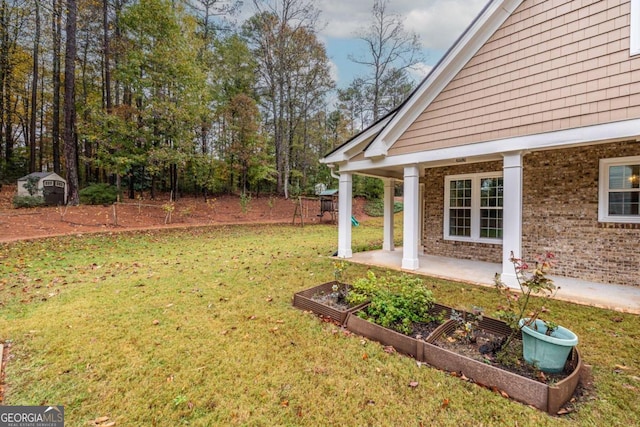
point(196, 327)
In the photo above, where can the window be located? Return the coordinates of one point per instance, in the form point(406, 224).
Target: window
point(619, 192)
point(635, 27)
point(473, 207)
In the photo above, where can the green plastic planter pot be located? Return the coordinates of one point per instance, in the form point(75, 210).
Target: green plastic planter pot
point(547, 352)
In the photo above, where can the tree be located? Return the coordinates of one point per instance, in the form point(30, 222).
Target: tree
point(391, 51)
point(293, 75)
point(56, 30)
point(70, 142)
point(34, 90)
point(165, 83)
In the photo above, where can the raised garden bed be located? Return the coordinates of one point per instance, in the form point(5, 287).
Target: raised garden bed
point(401, 342)
point(316, 300)
point(546, 397)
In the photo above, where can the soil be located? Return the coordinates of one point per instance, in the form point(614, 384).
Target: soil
point(22, 224)
point(484, 346)
point(421, 331)
point(336, 300)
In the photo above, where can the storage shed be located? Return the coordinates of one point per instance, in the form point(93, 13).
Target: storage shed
point(329, 203)
point(49, 185)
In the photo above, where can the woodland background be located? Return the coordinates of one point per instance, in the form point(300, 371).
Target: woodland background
point(177, 96)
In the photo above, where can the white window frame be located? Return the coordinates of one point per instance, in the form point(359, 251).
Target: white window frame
point(603, 190)
point(475, 207)
point(635, 28)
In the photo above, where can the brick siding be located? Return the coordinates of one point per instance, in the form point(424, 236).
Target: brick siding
point(560, 214)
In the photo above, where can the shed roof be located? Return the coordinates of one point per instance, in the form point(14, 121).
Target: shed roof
point(39, 175)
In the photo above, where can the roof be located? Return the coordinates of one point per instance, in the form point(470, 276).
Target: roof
point(375, 140)
point(40, 175)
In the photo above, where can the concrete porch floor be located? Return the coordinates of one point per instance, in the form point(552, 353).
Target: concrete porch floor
point(614, 297)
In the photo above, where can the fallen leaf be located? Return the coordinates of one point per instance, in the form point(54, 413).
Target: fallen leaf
point(156, 322)
point(445, 403)
point(413, 384)
point(389, 349)
point(100, 420)
point(225, 332)
point(253, 317)
point(564, 411)
point(542, 377)
point(284, 403)
point(365, 356)
point(269, 299)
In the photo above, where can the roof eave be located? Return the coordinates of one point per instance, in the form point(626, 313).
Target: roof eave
point(472, 39)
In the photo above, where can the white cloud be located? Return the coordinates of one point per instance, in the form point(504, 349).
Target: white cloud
point(333, 71)
point(441, 21)
point(420, 71)
point(437, 22)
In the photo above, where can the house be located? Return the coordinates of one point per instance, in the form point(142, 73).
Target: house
point(524, 138)
point(48, 185)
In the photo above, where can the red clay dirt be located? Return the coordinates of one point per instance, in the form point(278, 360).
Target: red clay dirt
point(22, 224)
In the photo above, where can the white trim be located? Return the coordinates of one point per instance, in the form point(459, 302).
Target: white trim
point(350, 149)
point(628, 129)
point(634, 45)
point(474, 208)
point(603, 190)
point(491, 18)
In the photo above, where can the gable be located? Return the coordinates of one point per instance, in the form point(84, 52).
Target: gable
point(552, 65)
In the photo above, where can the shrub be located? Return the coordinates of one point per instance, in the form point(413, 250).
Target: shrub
point(98, 194)
point(368, 187)
point(375, 207)
point(28, 201)
point(395, 301)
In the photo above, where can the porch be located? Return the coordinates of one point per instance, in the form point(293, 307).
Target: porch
point(614, 297)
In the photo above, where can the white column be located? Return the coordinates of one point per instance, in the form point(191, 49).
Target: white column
point(411, 225)
point(387, 238)
point(511, 214)
point(345, 196)
point(421, 221)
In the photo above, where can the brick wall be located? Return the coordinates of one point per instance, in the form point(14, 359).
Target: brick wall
point(560, 214)
point(433, 241)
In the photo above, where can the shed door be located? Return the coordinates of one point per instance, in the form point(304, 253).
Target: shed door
point(53, 192)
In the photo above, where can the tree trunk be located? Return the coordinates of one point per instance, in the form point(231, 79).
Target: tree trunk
point(3, 66)
point(107, 56)
point(70, 144)
point(34, 92)
point(56, 25)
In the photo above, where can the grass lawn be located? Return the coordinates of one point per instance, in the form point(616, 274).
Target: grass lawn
point(196, 327)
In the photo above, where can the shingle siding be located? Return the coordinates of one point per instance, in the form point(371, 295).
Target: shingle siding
point(553, 65)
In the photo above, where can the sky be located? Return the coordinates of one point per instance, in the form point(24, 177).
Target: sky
point(438, 24)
